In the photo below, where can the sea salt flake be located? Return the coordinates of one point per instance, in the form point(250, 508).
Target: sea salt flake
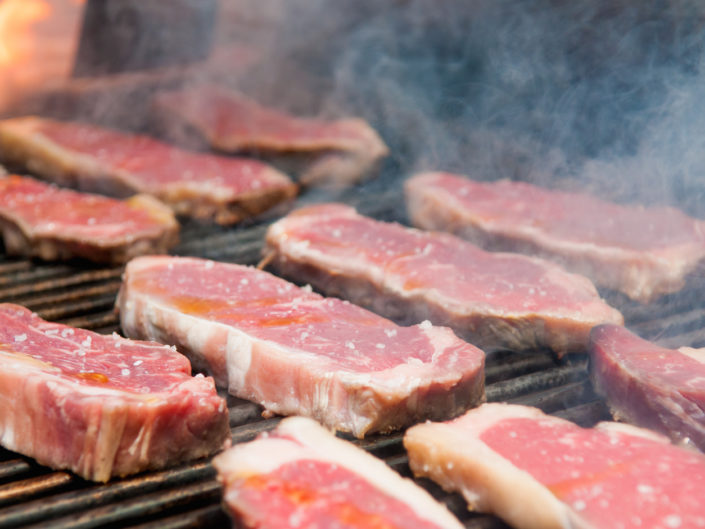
point(644, 489)
point(125, 371)
point(425, 325)
point(20, 337)
point(390, 332)
point(349, 345)
point(137, 363)
point(673, 520)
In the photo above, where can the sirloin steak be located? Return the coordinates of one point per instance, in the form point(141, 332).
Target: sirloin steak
point(38, 219)
point(538, 472)
point(101, 406)
point(296, 352)
point(494, 300)
point(97, 159)
point(327, 151)
point(650, 386)
point(642, 252)
point(301, 475)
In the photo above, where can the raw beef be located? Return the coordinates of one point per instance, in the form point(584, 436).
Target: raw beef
point(296, 352)
point(494, 300)
point(101, 406)
point(536, 471)
point(651, 386)
point(96, 159)
point(38, 219)
point(642, 252)
point(332, 152)
point(301, 475)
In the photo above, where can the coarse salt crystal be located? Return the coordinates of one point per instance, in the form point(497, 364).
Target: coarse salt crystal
point(673, 520)
point(644, 489)
point(425, 325)
point(579, 505)
point(125, 371)
point(137, 362)
point(20, 337)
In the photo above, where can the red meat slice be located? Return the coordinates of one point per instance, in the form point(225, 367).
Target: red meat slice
point(96, 159)
point(338, 151)
point(642, 252)
point(39, 219)
point(301, 475)
point(101, 406)
point(650, 386)
point(296, 352)
point(495, 300)
point(536, 471)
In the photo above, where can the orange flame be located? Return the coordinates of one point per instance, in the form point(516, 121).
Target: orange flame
point(37, 41)
point(16, 20)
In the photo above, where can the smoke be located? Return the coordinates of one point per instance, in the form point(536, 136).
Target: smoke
point(596, 95)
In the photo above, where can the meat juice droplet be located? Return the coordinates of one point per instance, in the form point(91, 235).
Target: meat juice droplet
point(93, 377)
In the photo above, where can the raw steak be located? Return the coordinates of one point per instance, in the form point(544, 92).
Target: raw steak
point(651, 386)
point(101, 406)
point(536, 471)
point(332, 152)
point(296, 352)
point(96, 159)
point(642, 252)
point(300, 475)
point(41, 220)
point(494, 300)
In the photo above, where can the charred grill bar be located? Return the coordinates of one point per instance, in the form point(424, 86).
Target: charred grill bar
point(188, 495)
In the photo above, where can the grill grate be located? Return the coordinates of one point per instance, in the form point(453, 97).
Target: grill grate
point(188, 496)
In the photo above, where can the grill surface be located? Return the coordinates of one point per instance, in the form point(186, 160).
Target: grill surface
point(189, 496)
